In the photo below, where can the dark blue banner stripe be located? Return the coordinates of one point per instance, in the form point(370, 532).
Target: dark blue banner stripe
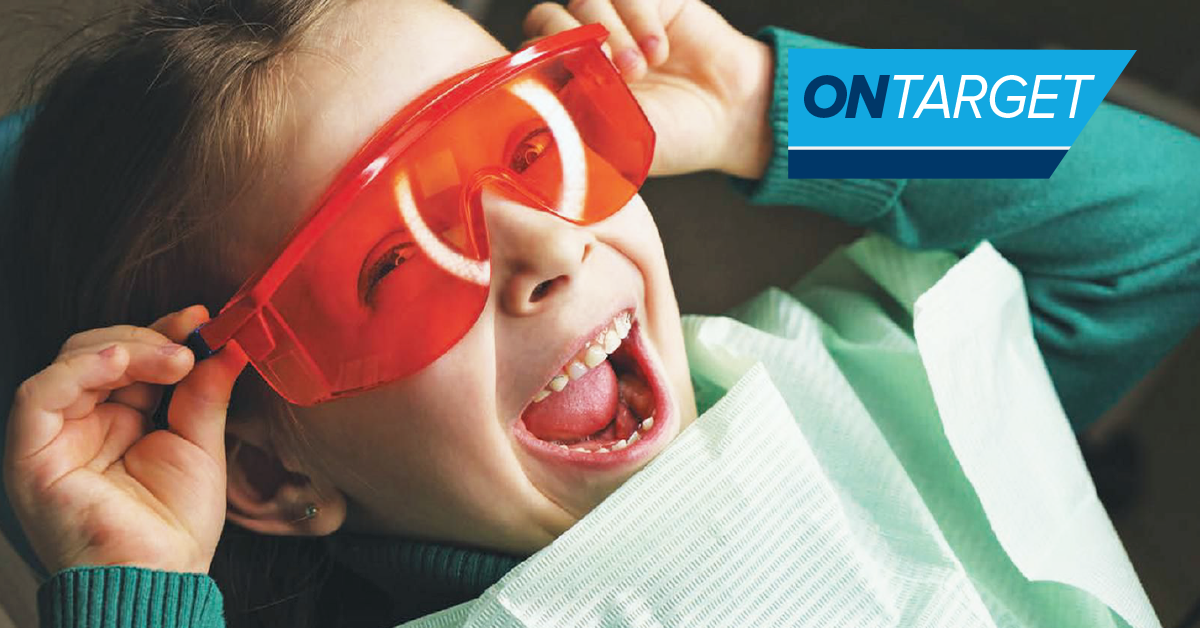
point(923, 164)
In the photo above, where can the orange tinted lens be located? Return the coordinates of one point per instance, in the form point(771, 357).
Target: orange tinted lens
point(368, 304)
point(585, 147)
point(402, 274)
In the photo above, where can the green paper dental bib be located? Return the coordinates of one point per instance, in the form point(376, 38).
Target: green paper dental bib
point(879, 446)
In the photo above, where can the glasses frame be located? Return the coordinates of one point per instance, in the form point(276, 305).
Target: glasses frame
point(385, 146)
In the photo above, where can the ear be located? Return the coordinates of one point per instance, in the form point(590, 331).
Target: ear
point(270, 496)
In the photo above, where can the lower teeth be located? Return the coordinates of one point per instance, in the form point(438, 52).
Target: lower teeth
point(617, 446)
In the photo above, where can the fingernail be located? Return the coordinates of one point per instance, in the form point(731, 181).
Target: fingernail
point(650, 45)
point(627, 59)
point(108, 352)
point(170, 349)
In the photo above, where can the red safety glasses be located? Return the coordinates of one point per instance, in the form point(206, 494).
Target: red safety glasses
point(391, 268)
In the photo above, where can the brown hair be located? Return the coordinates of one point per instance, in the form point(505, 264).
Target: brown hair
point(140, 140)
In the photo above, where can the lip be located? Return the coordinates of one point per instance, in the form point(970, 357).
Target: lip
point(651, 441)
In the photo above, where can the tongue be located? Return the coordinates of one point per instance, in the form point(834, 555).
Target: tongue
point(583, 408)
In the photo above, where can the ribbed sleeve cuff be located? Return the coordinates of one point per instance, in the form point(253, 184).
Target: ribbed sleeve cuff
point(856, 201)
point(129, 597)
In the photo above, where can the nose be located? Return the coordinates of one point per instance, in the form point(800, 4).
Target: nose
point(535, 255)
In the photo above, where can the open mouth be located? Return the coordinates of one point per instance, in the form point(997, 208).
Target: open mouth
point(606, 407)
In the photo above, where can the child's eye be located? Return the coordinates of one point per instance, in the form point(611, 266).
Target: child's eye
point(379, 266)
point(530, 148)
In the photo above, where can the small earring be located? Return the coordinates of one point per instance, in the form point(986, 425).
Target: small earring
point(310, 512)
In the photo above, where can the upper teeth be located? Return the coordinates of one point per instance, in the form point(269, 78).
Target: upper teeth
point(591, 355)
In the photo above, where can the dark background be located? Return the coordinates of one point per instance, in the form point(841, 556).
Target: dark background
point(1143, 454)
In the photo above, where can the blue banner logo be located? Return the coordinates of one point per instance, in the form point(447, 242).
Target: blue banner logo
point(943, 114)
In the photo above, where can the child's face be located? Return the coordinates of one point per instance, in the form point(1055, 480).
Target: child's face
point(437, 455)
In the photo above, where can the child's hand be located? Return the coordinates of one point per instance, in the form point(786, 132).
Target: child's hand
point(704, 85)
point(91, 483)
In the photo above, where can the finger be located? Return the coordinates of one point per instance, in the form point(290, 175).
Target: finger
point(200, 401)
point(94, 442)
point(548, 18)
point(173, 327)
point(626, 55)
point(178, 325)
point(161, 363)
point(154, 358)
point(122, 428)
point(140, 396)
point(37, 417)
point(93, 339)
point(87, 401)
point(645, 24)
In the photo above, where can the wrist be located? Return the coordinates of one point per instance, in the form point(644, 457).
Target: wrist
point(751, 140)
point(166, 553)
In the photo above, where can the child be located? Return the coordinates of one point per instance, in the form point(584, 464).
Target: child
point(203, 135)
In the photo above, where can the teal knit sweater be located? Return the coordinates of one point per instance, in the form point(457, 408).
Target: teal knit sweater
point(1109, 248)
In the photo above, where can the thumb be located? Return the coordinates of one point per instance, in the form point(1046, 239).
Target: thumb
point(201, 400)
point(177, 325)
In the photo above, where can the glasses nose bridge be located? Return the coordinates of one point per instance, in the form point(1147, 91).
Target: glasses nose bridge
point(508, 184)
point(510, 187)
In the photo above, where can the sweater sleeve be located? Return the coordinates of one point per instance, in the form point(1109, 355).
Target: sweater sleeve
point(1109, 246)
point(129, 597)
